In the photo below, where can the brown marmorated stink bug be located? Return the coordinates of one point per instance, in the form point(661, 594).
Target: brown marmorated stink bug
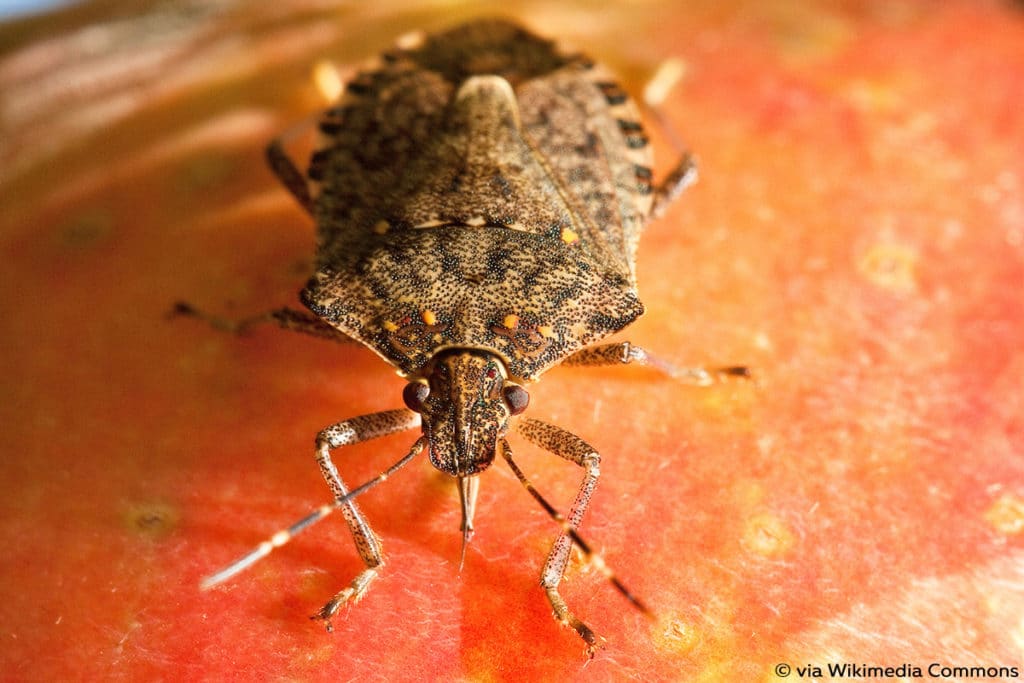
point(478, 196)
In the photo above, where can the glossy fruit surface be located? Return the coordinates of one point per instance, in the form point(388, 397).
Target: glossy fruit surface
point(856, 237)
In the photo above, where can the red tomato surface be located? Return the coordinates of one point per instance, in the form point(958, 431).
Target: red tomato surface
point(857, 238)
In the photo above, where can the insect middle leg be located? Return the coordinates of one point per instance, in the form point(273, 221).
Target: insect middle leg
point(285, 318)
point(367, 544)
point(569, 446)
point(620, 353)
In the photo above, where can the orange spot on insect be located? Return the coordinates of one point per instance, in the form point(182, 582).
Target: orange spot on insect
point(569, 236)
point(381, 227)
point(429, 317)
point(511, 321)
point(390, 326)
point(546, 331)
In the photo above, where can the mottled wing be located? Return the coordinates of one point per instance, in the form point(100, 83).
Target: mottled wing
point(393, 151)
point(589, 133)
point(450, 213)
point(370, 143)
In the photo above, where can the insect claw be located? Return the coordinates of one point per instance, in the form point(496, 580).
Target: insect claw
point(736, 371)
point(594, 642)
point(181, 308)
point(326, 613)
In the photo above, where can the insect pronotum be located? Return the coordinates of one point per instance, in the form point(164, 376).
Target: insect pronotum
point(478, 196)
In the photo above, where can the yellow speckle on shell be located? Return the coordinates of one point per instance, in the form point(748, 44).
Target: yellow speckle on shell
point(511, 321)
point(569, 236)
point(429, 317)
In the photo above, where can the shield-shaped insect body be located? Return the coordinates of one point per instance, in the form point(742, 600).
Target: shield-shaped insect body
point(478, 196)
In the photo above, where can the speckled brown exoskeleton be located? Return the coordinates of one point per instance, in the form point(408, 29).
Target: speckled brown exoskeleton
point(478, 196)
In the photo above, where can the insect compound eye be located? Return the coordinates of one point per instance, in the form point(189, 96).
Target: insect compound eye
point(516, 397)
point(414, 394)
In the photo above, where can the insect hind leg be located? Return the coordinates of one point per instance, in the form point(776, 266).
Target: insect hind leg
point(684, 173)
point(672, 185)
point(287, 172)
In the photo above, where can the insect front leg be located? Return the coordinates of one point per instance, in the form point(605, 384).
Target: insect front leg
point(367, 544)
point(621, 353)
point(569, 446)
